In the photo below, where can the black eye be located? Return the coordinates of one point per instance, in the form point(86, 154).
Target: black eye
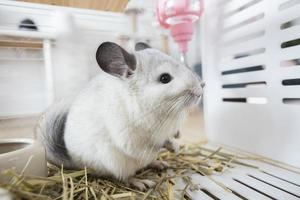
point(165, 78)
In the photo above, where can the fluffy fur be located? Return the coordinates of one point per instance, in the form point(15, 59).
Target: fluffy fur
point(117, 124)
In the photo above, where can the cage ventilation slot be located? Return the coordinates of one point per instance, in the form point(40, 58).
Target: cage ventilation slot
point(290, 63)
point(291, 23)
point(291, 101)
point(249, 53)
point(249, 100)
point(236, 100)
point(290, 82)
point(243, 70)
point(244, 54)
point(290, 43)
point(244, 85)
point(288, 4)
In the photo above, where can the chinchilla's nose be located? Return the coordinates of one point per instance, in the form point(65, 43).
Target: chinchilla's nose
point(202, 84)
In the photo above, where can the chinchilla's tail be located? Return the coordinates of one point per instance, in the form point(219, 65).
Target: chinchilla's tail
point(70, 57)
point(50, 131)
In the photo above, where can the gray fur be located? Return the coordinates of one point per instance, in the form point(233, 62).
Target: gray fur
point(57, 139)
point(114, 60)
point(52, 134)
point(141, 46)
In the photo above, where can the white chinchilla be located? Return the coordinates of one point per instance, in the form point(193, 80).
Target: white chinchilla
point(118, 123)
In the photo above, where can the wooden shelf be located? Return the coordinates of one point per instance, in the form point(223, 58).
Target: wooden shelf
point(19, 42)
point(105, 5)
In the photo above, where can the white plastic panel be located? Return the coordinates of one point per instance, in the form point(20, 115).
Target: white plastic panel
point(260, 180)
point(255, 111)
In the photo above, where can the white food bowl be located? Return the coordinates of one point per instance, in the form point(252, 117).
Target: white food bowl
point(22, 155)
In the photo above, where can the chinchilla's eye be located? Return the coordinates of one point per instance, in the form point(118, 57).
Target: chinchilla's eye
point(165, 78)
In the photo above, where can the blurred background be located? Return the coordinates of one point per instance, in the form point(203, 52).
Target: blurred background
point(250, 53)
point(28, 64)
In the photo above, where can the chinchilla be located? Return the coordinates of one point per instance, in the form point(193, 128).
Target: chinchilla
point(121, 119)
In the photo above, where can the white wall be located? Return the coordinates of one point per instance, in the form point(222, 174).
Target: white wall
point(22, 72)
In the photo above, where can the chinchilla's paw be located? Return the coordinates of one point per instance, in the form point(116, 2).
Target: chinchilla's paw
point(141, 184)
point(177, 135)
point(172, 146)
point(158, 165)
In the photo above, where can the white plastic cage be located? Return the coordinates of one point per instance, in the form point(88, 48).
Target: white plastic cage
point(251, 54)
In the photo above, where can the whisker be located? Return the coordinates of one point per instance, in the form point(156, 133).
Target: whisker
point(166, 122)
point(158, 125)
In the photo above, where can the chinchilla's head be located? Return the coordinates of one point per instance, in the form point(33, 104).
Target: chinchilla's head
point(159, 82)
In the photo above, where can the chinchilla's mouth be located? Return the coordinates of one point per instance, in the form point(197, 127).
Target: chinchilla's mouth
point(194, 97)
point(197, 98)
point(197, 95)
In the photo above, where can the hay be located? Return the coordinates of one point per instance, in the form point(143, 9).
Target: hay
point(68, 184)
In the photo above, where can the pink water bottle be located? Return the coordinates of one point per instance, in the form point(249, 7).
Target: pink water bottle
point(179, 16)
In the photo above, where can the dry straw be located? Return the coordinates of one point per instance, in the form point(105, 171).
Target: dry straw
point(82, 184)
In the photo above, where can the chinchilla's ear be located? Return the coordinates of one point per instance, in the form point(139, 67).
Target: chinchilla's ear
point(114, 60)
point(141, 46)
